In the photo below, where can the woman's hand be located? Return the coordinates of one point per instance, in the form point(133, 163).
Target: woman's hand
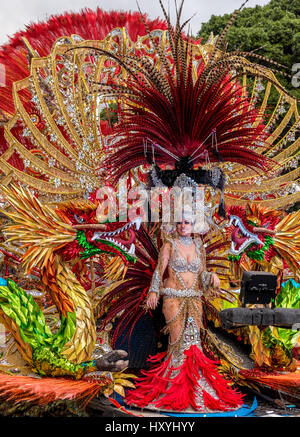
point(152, 300)
point(215, 281)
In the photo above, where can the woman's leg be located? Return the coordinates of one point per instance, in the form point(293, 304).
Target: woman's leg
point(174, 314)
point(197, 304)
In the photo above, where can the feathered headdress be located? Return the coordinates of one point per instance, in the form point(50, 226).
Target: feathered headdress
point(184, 110)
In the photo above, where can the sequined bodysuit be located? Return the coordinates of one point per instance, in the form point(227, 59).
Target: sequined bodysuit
point(179, 265)
point(184, 302)
point(183, 368)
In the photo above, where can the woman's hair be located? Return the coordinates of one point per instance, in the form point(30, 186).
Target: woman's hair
point(189, 217)
point(199, 223)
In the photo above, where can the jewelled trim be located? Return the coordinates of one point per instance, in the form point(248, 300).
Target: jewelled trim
point(180, 264)
point(192, 337)
point(188, 336)
point(187, 292)
point(155, 283)
point(177, 314)
point(186, 240)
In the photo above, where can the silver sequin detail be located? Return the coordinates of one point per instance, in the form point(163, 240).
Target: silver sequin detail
point(192, 337)
point(180, 264)
point(155, 283)
point(187, 292)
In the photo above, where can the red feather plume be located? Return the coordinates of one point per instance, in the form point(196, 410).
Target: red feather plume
point(175, 111)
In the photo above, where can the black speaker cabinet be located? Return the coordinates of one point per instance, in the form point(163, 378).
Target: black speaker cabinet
point(288, 318)
point(258, 288)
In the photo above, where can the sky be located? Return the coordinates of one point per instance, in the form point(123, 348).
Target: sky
point(16, 14)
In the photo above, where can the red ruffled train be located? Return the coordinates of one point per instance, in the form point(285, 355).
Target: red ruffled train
point(188, 388)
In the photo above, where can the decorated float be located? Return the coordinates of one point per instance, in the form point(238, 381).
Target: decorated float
point(105, 101)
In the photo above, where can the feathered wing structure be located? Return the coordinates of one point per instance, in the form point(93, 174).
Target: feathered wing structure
point(287, 240)
point(125, 298)
point(38, 39)
point(181, 125)
point(32, 165)
point(41, 233)
point(284, 382)
point(37, 226)
point(182, 102)
point(46, 390)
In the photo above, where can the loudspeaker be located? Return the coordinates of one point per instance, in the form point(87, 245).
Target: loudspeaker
point(258, 288)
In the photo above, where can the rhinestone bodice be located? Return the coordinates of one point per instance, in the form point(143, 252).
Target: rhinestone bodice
point(180, 264)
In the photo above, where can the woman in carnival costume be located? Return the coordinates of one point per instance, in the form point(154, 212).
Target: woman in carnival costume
point(183, 377)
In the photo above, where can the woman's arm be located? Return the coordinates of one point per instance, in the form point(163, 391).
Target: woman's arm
point(163, 260)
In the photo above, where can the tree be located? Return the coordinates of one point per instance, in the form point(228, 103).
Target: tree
point(275, 26)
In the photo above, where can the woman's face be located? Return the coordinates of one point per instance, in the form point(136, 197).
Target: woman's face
point(184, 228)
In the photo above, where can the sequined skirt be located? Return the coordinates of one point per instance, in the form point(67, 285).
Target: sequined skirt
point(184, 379)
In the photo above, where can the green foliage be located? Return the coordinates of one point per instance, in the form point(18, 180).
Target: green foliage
point(275, 26)
point(110, 113)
